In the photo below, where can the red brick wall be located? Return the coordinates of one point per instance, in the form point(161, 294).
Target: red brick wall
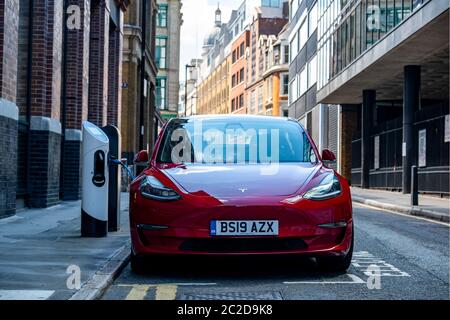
point(9, 24)
point(47, 56)
point(77, 71)
point(114, 73)
point(98, 63)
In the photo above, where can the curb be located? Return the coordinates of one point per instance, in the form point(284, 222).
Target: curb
point(99, 282)
point(413, 211)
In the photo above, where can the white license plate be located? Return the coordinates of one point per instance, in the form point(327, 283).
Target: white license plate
point(244, 227)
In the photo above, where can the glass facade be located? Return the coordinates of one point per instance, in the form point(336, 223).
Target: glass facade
point(307, 76)
point(347, 28)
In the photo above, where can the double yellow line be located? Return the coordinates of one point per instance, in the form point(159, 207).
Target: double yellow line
point(163, 291)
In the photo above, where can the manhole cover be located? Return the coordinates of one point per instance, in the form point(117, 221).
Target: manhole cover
point(233, 296)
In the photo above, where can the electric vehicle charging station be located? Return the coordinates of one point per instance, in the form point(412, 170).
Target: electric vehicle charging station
point(95, 181)
point(115, 175)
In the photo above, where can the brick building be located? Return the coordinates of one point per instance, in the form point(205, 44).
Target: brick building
point(167, 56)
point(140, 120)
point(261, 29)
point(60, 66)
point(239, 72)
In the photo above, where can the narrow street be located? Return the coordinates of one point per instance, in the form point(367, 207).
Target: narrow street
point(411, 253)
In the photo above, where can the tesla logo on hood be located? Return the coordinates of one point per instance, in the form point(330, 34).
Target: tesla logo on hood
point(243, 190)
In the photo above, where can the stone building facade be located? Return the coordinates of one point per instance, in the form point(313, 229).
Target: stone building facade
point(140, 120)
point(167, 56)
point(60, 67)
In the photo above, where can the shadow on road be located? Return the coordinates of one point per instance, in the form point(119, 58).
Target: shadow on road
point(232, 267)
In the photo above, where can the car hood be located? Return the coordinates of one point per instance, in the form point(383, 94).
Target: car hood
point(249, 180)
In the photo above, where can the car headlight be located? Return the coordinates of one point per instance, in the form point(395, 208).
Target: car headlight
point(152, 188)
point(328, 188)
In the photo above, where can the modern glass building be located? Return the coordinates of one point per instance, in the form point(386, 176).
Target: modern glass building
point(348, 28)
point(381, 97)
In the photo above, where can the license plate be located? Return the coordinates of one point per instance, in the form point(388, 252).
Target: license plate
point(244, 227)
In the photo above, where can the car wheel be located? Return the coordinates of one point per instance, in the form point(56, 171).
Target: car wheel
point(338, 264)
point(137, 263)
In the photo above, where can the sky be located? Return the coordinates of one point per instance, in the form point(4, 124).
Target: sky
point(198, 20)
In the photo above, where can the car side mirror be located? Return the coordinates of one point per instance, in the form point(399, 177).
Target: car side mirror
point(328, 156)
point(141, 157)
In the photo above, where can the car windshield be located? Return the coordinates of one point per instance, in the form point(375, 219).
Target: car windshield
point(229, 140)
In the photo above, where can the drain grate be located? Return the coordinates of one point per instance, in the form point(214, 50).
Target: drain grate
point(275, 295)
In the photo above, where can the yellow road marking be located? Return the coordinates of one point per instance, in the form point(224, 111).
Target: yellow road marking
point(137, 292)
point(166, 292)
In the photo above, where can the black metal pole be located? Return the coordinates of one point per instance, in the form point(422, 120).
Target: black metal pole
point(368, 107)
point(411, 101)
point(414, 186)
point(185, 90)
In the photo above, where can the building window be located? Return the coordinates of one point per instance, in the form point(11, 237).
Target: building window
point(312, 72)
point(161, 52)
point(303, 85)
point(233, 106)
point(303, 35)
point(241, 75)
point(234, 56)
point(294, 7)
point(284, 85)
point(293, 90)
point(241, 50)
point(162, 16)
point(312, 19)
point(233, 81)
point(270, 3)
point(260, 99)
point(241, 100)
point(294, 47)
point(161, 84)
point(286, 54)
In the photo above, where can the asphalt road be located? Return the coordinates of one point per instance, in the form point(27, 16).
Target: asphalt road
point(411, 255)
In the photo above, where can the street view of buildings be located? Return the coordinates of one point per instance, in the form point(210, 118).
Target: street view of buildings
point(367, 79)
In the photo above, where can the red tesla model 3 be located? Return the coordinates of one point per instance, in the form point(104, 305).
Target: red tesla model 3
point(240, 185)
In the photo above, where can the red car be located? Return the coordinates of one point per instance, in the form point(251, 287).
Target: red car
point(240, 185)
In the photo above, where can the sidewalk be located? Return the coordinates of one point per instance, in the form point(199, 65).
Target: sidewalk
point(429, 207)
point(38, 245)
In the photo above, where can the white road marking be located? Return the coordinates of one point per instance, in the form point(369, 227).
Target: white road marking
point(25, 294)
point(402, 214)
point(363, 259)
point(354, 280)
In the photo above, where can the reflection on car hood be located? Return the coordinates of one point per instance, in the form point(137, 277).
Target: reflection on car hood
point(242, 180)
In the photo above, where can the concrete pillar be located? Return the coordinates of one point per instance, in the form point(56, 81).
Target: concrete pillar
point(368, 108)
point(411, 102)
point(349, 125)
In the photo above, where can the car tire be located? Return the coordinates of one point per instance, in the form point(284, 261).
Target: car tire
point(137, 263)
point(339, 264)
